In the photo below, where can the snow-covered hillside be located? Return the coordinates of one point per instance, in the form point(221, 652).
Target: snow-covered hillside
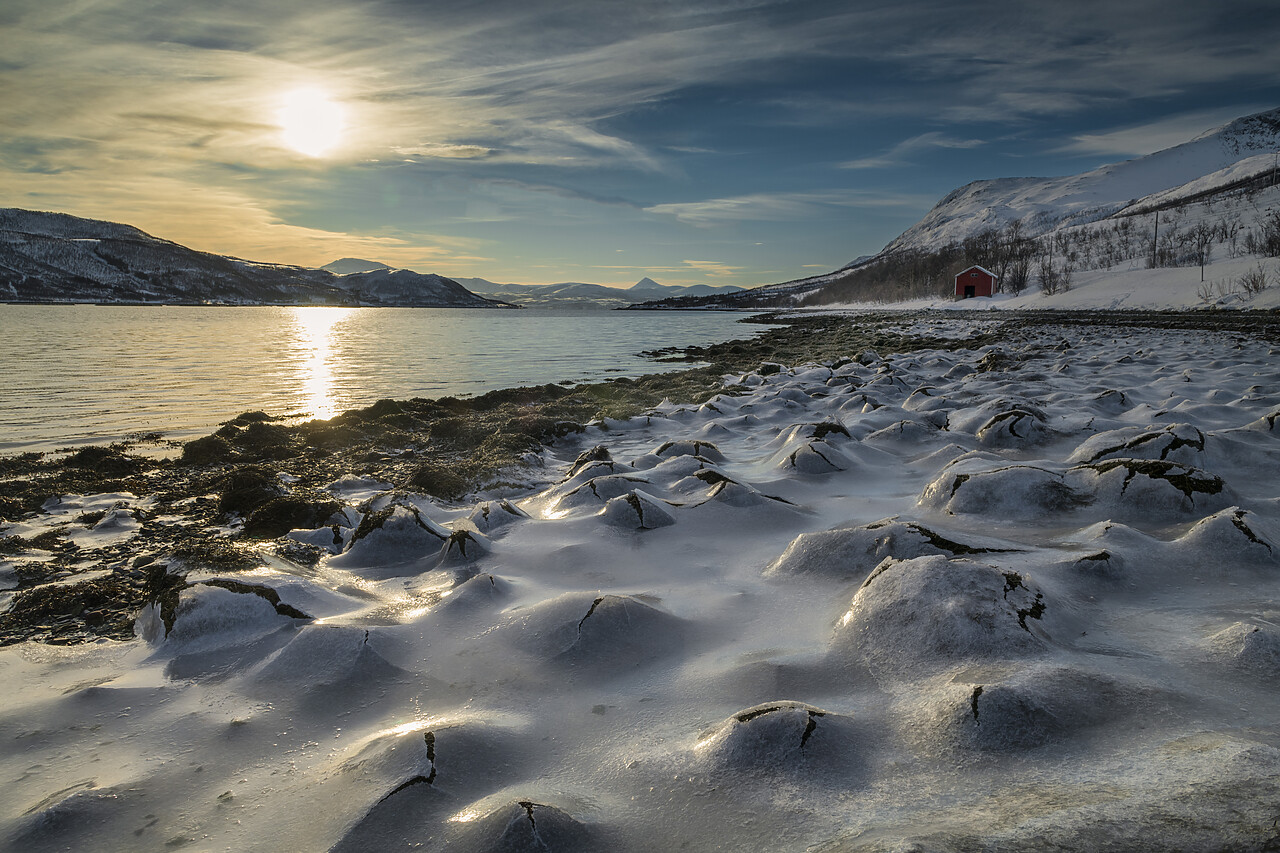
point(1213, 200)
point(54, 257)
point(1243, 148)
point(575, 294)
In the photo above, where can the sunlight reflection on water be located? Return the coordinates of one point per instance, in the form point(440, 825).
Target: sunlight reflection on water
point(78, 374)
point(317, 324)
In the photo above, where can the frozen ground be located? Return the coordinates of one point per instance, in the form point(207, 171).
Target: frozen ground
point(1018, 597)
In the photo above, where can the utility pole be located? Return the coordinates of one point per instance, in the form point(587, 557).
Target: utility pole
point(1154, 235)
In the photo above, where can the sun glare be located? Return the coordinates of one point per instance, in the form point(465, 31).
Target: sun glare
point(311, 123)
point(316, 324)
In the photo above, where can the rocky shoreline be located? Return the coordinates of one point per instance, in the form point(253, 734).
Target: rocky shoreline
point(73, 575)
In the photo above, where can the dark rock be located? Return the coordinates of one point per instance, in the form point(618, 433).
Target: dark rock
point(280, 515)
point(246, 488)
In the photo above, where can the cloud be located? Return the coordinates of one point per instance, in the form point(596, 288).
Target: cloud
point(714, 268)
point(445, 152)
point(898, 154)
point(783, 206)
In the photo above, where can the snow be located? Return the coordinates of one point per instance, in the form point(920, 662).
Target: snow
point(934, 600)
point(1244, 146)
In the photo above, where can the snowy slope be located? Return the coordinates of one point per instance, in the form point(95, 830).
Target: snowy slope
point(1043, 203)
point(576, 294)
point(54, 257)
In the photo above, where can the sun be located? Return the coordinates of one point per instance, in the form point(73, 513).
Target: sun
point(311, 123)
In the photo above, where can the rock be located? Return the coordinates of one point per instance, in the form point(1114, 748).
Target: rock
point(967, 487)
point(1149, 487)
point(637, 510)
point(524, 826)
point(1181, 443)
point(395, 535)
point(246, 488)
point(490, 516)
point(852, 552)
point(932, 613)
point(783, 737)
point(1231, 536)
point(279, 515)
point(1248, 646)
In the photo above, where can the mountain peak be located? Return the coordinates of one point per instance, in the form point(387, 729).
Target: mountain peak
point(646, 283)
point(347, 266)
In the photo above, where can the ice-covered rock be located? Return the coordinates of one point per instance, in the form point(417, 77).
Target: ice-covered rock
point(637, 510)
point(968, 487)
point(1181, 443)
point(779, 738)
point(1151, 488)
point(1012, 428)
point(396, 535)
point(853, 552)
point(1249, 646)
point(611, 632)
point(932, 613)
point(1233, 536)
point(522, 826)
point(326, 657)
point(595, 492)
point(1002, 709)
point(491, 516)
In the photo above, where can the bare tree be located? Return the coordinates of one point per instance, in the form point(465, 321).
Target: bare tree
point(1200, 238)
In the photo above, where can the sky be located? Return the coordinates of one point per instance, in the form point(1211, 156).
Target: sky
point(735, 142)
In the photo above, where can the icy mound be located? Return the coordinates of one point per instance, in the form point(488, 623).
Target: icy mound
point(991, 709)
point(782, 738)
point(1181, 443)
point(607, 633)
point(930, 613)
point(853, 552)
point(1250, 647)
point(637, 510)
point(395, 539)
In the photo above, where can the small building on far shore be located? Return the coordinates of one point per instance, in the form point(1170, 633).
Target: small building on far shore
point(975, 281)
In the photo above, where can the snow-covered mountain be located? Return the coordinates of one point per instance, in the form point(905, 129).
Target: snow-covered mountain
point(1223, 167)
point(54, 257)
point(1242, 148)
point(576, 294)
point(346, 266)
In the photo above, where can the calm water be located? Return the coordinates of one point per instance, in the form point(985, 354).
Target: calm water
point(78, 374)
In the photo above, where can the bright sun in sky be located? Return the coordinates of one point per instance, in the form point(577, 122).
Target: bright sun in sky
point(311, 122)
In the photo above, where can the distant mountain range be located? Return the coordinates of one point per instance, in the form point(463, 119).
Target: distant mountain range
point(53, 257)
point(1238, 157)
point(576, 294)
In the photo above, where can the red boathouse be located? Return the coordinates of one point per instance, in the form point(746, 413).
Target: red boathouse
point(975, 281)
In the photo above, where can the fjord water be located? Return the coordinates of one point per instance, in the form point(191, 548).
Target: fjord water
point(78, 374)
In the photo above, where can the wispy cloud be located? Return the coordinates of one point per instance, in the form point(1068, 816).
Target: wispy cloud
point(714, 268)
point(782, 206)
point(444, 151)
point(900, 153)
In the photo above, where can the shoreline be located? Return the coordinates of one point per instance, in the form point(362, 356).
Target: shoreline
point(448, 448)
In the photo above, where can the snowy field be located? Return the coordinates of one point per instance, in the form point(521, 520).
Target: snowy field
point(1025, 596)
